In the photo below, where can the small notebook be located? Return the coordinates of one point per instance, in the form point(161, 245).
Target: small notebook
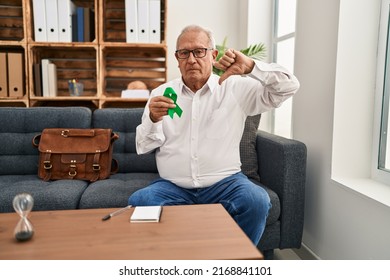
point(145, 214)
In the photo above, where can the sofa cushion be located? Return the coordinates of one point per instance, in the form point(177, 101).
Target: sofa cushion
point(115, 191)
point(270, 238)
point(124, 122)
point(248, 154)
point(52, 195)
point(274, 212)
point(20, 125)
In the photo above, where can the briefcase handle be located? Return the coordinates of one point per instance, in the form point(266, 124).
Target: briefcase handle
point(74, 133)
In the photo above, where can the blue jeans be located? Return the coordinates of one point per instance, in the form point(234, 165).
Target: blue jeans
point(245, 201)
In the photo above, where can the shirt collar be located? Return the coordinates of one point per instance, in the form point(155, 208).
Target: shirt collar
point(211, 83)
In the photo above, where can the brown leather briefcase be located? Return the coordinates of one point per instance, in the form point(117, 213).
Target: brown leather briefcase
point(83, 154)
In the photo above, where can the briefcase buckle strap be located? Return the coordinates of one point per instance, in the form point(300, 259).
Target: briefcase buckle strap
point(65, 133)
point(72, 169)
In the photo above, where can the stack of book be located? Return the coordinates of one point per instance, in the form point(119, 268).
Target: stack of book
point(143, 21)
point(62, 21)
point(45, 78)
point(11, 74)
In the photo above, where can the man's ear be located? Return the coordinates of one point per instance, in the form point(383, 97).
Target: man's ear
point(215, 54)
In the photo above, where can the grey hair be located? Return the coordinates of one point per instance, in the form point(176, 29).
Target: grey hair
point(198, 29)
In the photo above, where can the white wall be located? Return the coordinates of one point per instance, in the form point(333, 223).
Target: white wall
point(335, 63)
point(258, 18)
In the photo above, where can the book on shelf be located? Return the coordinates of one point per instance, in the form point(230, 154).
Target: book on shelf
point(4, 75)
point(155, 21)
point(53, 88)
point(49, 78)
point(37, 79)
point(89, 25)
point(131, 21)
point(52, 15)
point(15, 75)
point(80, 24)
point(83, 24)
point(66, 10)
point(39, 18)
point(45, 77)
point(143, 21)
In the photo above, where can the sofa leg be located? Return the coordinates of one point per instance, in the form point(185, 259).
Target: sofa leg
point(268, 254)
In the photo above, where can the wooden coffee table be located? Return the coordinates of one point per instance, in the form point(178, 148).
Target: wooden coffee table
point(203, 232)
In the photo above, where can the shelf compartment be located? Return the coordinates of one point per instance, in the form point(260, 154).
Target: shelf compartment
point(14, 103)
point(72, 63)
point(11, 20)
point(122, 65)
point(91, 4)
point(113, 18)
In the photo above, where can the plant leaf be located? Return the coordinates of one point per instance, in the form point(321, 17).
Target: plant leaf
point(221, 49)
point(256, 51)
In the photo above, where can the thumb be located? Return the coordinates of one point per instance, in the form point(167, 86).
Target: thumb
point(225, 75)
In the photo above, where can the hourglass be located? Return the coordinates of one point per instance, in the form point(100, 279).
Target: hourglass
point(23, 204)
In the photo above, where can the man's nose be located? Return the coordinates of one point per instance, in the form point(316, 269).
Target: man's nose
point(191, 58)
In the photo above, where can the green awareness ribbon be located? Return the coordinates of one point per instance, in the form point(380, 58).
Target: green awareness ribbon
point(170, 93)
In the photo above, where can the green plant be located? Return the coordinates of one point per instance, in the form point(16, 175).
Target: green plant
point(256, 51)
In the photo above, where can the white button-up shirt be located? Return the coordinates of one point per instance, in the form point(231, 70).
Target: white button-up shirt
point(201, 147)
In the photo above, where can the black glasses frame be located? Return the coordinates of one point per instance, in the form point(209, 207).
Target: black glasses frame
point(193, 53)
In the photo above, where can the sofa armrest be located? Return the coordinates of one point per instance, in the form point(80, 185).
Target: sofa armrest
point(282, 168)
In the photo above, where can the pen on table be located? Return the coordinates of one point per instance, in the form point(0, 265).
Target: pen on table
point(117, 212)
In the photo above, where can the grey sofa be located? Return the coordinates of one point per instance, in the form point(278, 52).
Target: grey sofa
point(279, 165)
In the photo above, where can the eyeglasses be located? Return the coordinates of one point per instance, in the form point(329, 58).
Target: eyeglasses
point(198, 53)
